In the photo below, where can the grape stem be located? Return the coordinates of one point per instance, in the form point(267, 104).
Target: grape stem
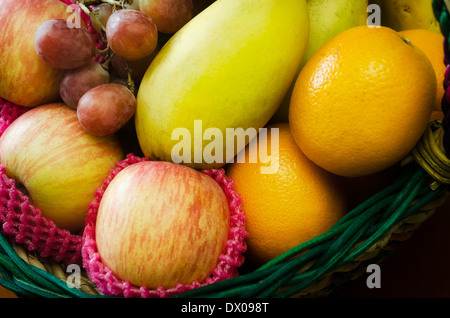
point(114, 2)
point(94, 18)
point(130, 80)
point(84, 5)
point(91, 2)
point(108, 60)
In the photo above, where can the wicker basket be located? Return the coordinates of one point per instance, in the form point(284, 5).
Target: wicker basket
point(366, 235)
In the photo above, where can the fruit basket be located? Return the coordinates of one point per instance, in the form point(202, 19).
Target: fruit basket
point(36, 256)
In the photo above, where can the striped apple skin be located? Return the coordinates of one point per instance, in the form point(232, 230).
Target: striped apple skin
point(25, 79)
point(58, 162)
point(161, 223)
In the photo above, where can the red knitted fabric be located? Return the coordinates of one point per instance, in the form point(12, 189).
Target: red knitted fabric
point(228, 265)
point(8, 113)
point(25, 225)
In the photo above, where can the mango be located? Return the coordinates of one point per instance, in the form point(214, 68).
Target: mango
point(227, 69)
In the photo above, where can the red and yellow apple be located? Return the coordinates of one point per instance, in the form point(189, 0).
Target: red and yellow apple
point(25, 79)
point(57, 162)
point(161, 223)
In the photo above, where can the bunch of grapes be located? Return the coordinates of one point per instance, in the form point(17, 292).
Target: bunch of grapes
point(104, 94)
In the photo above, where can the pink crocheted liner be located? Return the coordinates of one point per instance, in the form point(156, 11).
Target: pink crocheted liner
point(24, 224)
point(8, 113)
point(228, 265)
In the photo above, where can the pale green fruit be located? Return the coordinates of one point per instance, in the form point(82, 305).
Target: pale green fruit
point(229, 67)
point(403, 15)
point(328, 18)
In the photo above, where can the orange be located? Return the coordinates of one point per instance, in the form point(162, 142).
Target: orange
point(286, 206)
point(432, 44)
point(362, 101)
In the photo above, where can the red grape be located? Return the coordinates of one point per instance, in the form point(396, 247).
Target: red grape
point(131, 34)
point(62, 46)
point(104, 109)
point(76, 82)
point(102, 12)
point(138, 68)
point(168, 15)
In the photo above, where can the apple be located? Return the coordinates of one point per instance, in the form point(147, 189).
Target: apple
point(60, 165)
point(25, 79)
point(160, 223)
